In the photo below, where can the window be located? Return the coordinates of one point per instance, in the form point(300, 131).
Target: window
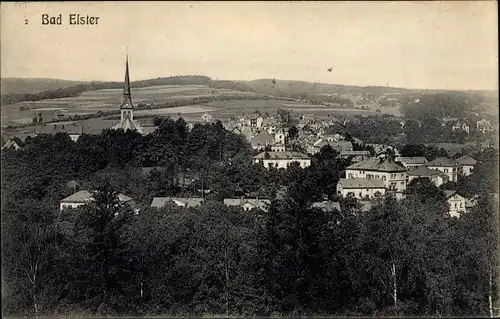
point(455, 205)
point(360, 194)
point(446, 170)
point(461, 205)
point(383, 178)
point(350, 175)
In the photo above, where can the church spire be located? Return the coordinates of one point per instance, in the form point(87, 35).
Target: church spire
point(126, 90)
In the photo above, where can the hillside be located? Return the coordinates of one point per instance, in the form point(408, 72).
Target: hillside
point(33, 85)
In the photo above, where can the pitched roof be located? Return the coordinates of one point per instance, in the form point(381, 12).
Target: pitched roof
point(449, 193)
point(412, 160)
point(262, 139)
point(442, 161)
point(423, 171)
point(328, 206)
point(361, 183)
point(159, 202)
point(466, 160)
point(354, 153)
point(281, 155)
point(377, 164)
point(341, 145)
point(85, 196)
point(258, 203)
point(128, 124)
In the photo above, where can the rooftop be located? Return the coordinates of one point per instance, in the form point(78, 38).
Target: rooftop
point(159, 202)
point(327, 206)
point(85, 196)
point(466, 160)
point(412, 160)
point(424, 171)
point(281, 155)
point(442, 161)
point(361, 183)
point(377, 164)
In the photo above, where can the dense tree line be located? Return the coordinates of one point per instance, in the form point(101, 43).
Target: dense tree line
point(400, 258)
point(439, 105)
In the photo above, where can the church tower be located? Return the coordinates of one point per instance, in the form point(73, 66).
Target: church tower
point(126, 107)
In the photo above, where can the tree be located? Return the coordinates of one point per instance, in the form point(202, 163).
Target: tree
point(293, 132)
point(28, 248)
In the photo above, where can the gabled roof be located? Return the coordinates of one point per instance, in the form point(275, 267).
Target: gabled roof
point(361, 183)
point(442, 161)
point(281, 155)
point(159, 202)
point(412, 160)
point(423, 171)
point(377, 164)
point(328, 206)
point(257, 203)
point(128, 124)
point(262, 139)
point(449, 193)
point(85, 196)
point(466, 160)
point(341, 145)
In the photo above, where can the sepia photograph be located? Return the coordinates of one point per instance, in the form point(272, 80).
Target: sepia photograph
point(261, 159)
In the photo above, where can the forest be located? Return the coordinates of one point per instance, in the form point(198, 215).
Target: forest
point(402, 258)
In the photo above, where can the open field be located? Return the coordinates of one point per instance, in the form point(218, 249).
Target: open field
point(105, 100)
point(91, 102)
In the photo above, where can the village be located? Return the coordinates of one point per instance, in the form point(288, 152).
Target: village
point(376, 170)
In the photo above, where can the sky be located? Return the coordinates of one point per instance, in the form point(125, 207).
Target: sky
point(426, 45)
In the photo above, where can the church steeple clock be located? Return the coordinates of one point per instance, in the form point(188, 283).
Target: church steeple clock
point(126, 107)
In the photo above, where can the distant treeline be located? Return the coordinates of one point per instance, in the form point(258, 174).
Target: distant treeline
point(287, 89)
point(72, 91)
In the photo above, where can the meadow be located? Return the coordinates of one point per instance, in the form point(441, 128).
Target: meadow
point(92, 102)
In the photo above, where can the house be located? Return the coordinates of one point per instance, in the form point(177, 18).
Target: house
point(206, 118)
point(262, 140)
point(84, 197)
point(282, 159)
point(456, 124)
point(256, 120)
point(278, 147)
point(445, 165)
point(13, 143)
point(159, 202)
point(248, 203)
point(361, 188)
point(456, 202)
point(437, 177)
point(327, 206)
point(391, 174)
point(483, 126)
point(465, 165)
point(412, 162)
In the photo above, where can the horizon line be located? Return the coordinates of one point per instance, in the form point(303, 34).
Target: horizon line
point(264, 78)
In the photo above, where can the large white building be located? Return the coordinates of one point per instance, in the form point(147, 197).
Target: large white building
point(465, 165)
point(282, 159)
point(361, 188)
point(445, 165)
point(437, 177)
point(391, 174)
